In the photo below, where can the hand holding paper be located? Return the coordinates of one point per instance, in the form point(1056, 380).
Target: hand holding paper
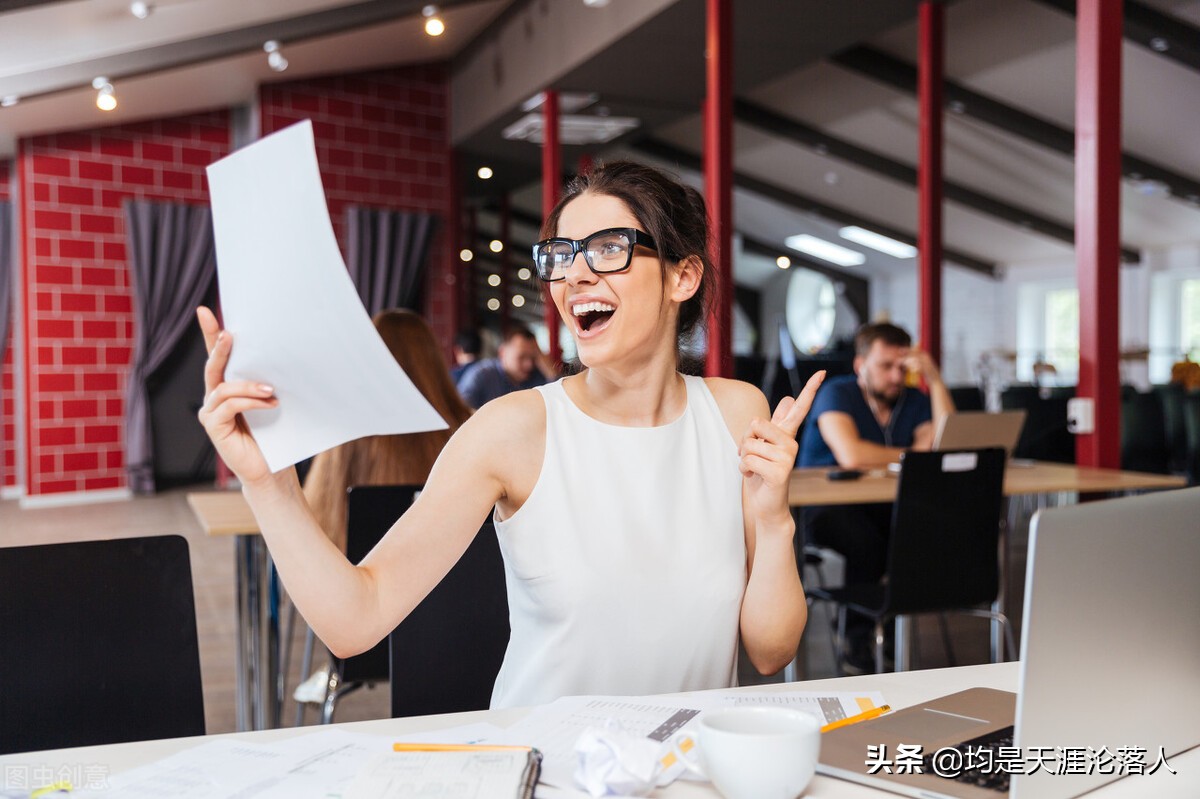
point(299, 325)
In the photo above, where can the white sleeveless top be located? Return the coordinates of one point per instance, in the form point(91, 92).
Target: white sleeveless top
point(627, 563)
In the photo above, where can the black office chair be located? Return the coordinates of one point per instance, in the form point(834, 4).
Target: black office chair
point(445, 656)
point(944, 549)
point(1191, 423)
point(1144, 446)
point(967, 398)
point(1171, 395)
point(99, 642)
point(371, 512)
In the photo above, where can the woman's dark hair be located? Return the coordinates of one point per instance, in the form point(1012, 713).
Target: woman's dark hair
point(670, 211)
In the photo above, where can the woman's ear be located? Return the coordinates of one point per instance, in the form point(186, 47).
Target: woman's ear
point(688, 274)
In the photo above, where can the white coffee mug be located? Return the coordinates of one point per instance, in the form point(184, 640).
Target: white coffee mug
point(754, 752)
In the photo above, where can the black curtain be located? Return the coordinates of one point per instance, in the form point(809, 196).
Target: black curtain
point(387, 254)
point(172, 266)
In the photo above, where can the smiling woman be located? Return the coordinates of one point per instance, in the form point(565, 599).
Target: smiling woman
point(615, 491)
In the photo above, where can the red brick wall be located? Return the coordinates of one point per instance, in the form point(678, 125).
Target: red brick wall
point(8, 380)
point(79, 321)
point(382, 141)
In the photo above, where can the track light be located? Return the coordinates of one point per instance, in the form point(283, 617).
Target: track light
point(140, 9)
point(433, 23)
point(106, 100)
point(275, 59)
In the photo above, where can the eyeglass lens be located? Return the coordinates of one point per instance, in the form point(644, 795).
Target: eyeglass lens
point(604, 252)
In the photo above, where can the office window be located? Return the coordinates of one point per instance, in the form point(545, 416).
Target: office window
point(1061, 333)
point(1189, 318)
point(811, 309)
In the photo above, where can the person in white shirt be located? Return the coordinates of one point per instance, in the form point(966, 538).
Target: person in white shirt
point(642, 514)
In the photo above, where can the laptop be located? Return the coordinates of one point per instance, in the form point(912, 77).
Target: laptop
point(979, 430)
point(1111, 660)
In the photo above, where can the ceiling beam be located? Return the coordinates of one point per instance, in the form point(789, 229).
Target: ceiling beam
point(769, 121)
point(1168, 36)
point(902, 75)
point(807, 205)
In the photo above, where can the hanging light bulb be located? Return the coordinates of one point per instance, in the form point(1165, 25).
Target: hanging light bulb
point(433, 23)
point(106, 100)
point(275, 59)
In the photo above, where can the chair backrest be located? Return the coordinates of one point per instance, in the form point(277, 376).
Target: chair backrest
point(371, 512)
point(99, 642)
point(1191, 424)
point(1144, 445)
point(967, 398)
point(1171, 395)
point(446, 654)
point(943, 551)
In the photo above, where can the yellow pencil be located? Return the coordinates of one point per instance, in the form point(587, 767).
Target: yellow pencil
point(400, 747)
point(874, 712)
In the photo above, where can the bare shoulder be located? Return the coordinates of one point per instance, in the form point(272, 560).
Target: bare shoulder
point(503, 443)
point(739, 403)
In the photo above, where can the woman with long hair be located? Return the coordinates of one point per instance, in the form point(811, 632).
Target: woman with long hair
point(395, 459)
point(642, 513)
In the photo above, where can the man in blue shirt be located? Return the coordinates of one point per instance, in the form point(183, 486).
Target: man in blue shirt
point(468, 345)
point(519, 364)
point(861, 421)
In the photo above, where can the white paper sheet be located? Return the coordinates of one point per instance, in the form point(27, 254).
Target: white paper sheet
point(297, 321)
point(555, 728)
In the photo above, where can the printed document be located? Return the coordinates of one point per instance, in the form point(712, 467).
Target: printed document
point(297, 322)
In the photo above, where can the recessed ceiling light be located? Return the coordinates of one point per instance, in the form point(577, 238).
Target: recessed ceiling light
point(493, 304)
point(825, 250)
point(877, 241)
point(495, 245)
point(493, 280)
point(465, 254)
point(433, 23)
point(140, 9)
point(106, 99)
point(518, 301)
point(485, 173)
point(523, 273)
point(9, 100)
point(275, 59)
point(783, 262)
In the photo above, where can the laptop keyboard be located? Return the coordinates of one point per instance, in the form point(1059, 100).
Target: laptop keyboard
point(984, 749)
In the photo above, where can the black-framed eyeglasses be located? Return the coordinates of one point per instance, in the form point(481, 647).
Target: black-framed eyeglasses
point(604, 251)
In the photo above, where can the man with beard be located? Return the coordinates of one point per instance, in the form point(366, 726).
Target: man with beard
point(862, 421)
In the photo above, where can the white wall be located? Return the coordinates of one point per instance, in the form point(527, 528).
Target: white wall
point(972, 307)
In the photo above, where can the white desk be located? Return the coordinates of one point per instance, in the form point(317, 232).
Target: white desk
point(900, 690)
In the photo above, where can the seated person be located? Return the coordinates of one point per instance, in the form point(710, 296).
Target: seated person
point(863, 420)
point(519, 364)
point(468, 347)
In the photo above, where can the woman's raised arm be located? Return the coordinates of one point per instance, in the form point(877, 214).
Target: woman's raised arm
point(352, 607)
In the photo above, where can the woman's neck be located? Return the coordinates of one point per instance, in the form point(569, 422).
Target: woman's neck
point(647, 393)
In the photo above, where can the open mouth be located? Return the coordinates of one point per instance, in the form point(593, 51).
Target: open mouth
point(593, 316)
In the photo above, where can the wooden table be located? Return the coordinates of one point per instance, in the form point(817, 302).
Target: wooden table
point(810, 486)
point(259, 685)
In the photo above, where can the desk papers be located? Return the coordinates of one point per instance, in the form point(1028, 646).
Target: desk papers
point(554, 728)
point(295, 316)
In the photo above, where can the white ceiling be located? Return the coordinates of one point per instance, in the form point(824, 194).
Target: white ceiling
point(1019, 52)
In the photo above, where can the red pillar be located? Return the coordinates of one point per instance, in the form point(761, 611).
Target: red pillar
point(1098, 223)
point(718, 180)
point(585, 164)
point(930, 68)
point(551, 191)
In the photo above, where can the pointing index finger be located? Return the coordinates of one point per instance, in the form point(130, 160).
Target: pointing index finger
point(799, 409)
